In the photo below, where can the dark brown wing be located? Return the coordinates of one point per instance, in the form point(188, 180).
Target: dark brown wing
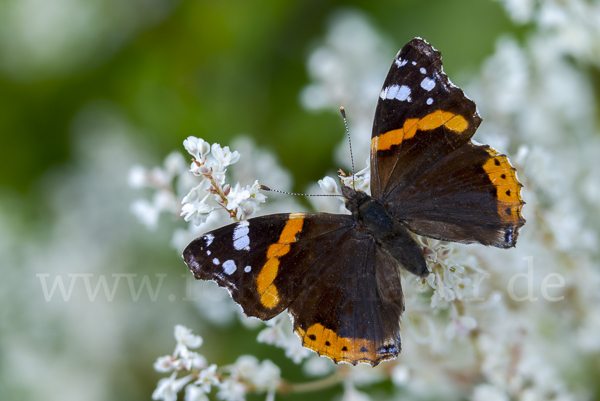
point(424, 164)
point(471, 195)
point(342, 291)
point(263, 262)
point(352, 312)
point(420, 118)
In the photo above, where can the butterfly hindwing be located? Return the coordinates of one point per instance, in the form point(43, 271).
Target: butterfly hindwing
point(353, 314)
point(472, 195)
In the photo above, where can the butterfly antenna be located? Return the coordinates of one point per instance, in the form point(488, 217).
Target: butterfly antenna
point(343, 112)
point(266, 188)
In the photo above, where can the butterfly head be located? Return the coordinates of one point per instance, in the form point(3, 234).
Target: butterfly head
point(354, 198)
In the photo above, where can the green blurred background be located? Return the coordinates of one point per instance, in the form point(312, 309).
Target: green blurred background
point(209, 69)
point(167, 70)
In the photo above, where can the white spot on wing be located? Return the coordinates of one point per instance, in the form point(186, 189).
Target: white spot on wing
point(385, 91)
point(414, 63)
point(403, 93)
point(240, 236)
point(423, 70)
point(209, 239)
point(242, 243)
point(229, 267)
point(396, 92)
point(247, 269)
point(427, 84)
point(430, 100)
point(399, 62)
point(216, 261)
point(208, 253)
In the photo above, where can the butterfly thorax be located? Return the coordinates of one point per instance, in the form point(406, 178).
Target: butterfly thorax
point(374, 218)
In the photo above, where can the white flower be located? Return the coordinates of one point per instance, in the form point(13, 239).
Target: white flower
point(205, 169)
point(224, 156)
point(193, 393)
point(137, 177)
point(317, 366)
point(193, 195)
point(168, 387)
point(244, 201)
point(190, 359)
point(174, 164)
point(197, 147)
point(400, 375)
point(459, 325)
point(488, 392)
point(158, 178)
point(363, 375)
point(421, 326)
point(207, 378)
point(267, 376)
point(198, 361)
point(280, 333)
point(184, 336)
point(165, 200)
point(231, 390)
point(251, 204)
point(198, 211)
point(164, 364)
point(246, 366)
point(521, 11)
point(423, 284)
point(294, 349)
point(328, 185)
point(272, 334)
point(256, 196)
point(359, 181)
point(236, 197)
point(146, 212)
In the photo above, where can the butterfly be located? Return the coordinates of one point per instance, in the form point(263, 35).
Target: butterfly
point(337, 275)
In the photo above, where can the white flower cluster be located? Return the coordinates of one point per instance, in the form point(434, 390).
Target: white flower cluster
point(447, 277)
point(161, 180)
point(172, 181)
point(191, 370)
point(239, 202)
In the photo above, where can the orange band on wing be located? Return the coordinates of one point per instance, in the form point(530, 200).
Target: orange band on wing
point(504, 177)
point(269, 296)
point(438, 118)
point(341, 349)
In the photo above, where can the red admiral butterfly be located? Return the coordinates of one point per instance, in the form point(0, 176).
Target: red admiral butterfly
point(337, 275)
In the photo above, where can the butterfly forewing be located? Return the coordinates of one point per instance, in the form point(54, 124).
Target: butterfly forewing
point(420, 117)
point(264, 262)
